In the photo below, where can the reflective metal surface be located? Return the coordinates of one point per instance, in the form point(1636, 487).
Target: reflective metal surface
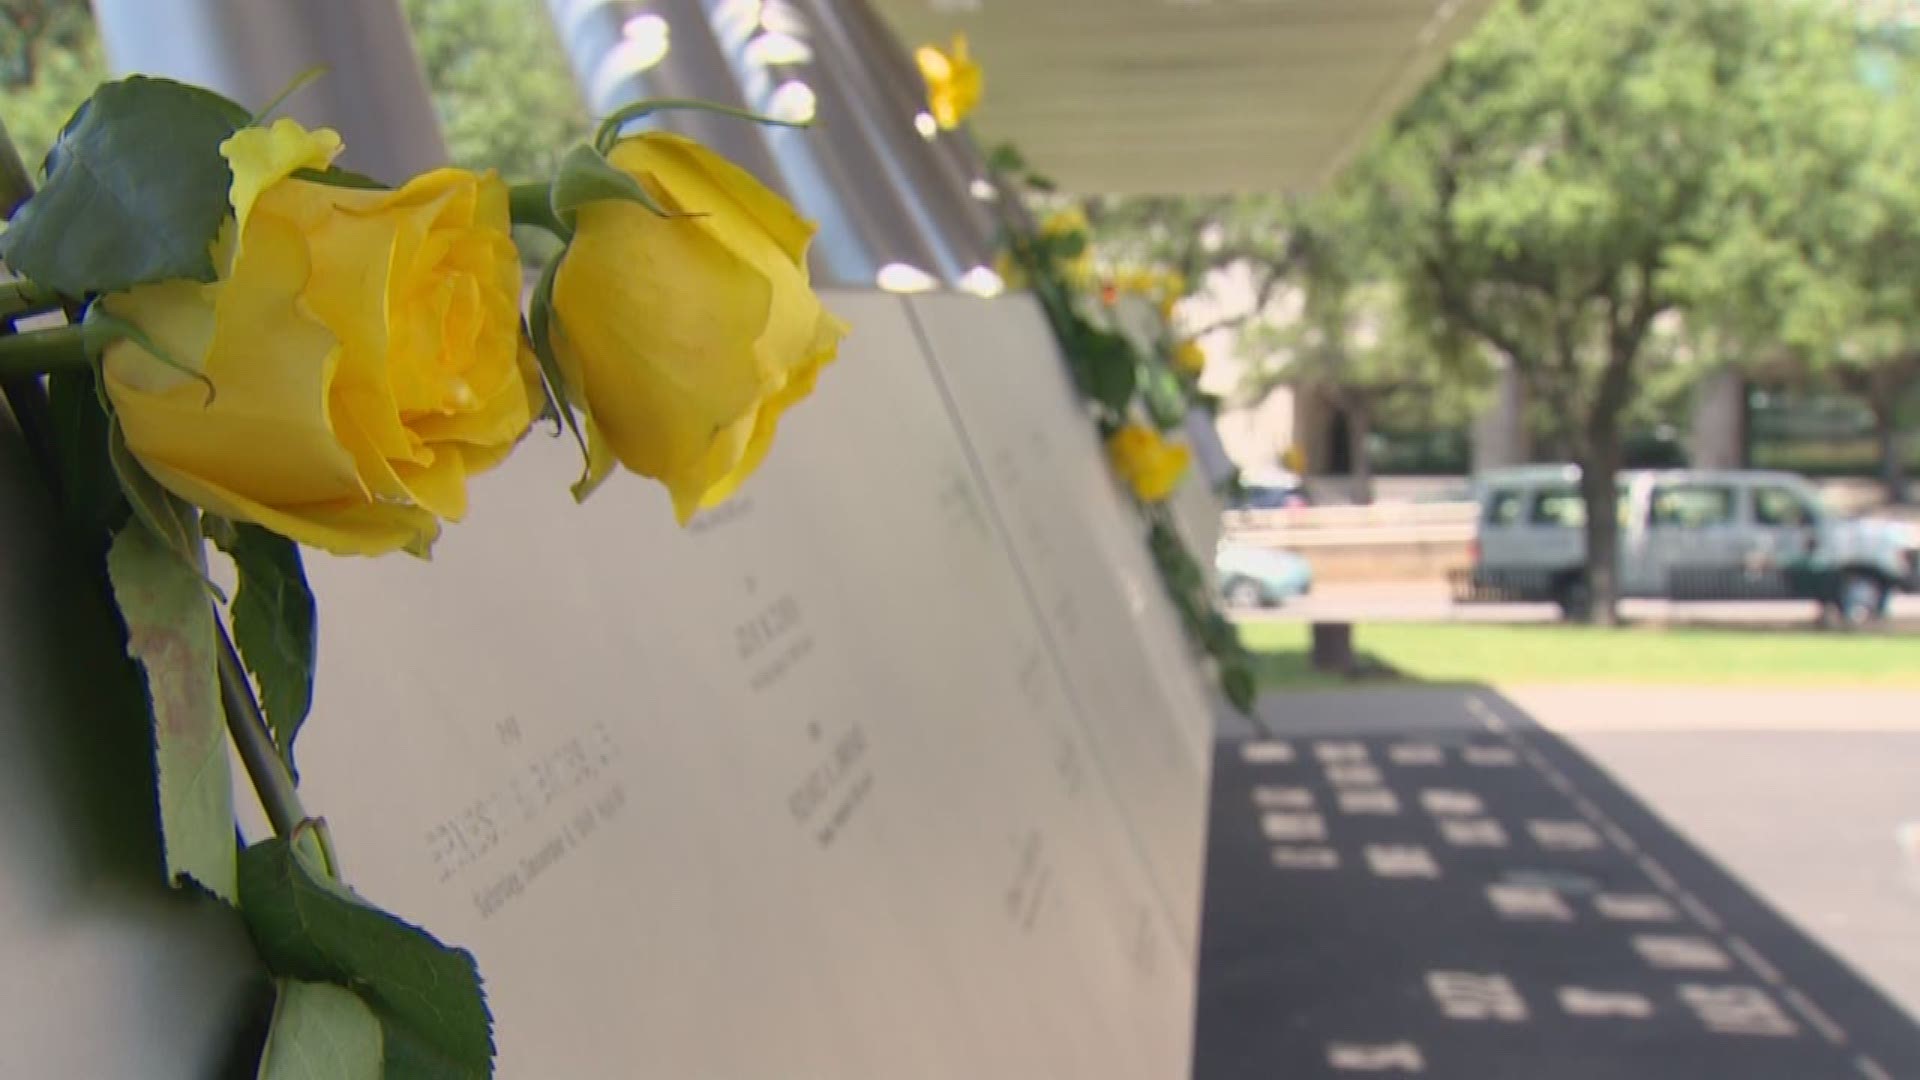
point(623, 51)
point(372, 91)
point(846, 171)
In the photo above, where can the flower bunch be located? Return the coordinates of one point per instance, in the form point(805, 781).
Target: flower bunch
point(1137, 384)
point(263, 350)
point(1151, 465)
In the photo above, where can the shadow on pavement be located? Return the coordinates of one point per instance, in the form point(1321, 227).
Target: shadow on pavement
point(1428, 883)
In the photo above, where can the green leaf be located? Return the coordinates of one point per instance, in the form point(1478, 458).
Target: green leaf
point(273, 623)
point(90, 494)
point(607, 135)
point(1065, 246)
point(426, 994)
point(1240, 687)
point(293, 87)
point(334, 176)
point(541, 328)
point(321, 1032)
point(586, 176)
point(1006, 158)
point(1166, 400)
point(1105, 367)
point(135, 191)
point(171, 632)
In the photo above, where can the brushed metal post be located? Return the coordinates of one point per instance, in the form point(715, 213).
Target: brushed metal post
point(373, 91)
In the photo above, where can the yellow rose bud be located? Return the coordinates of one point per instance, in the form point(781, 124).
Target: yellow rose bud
point(1189, 358)
point(1150, 465)
point(363, 349)
point(684, 338)
point(953, 81)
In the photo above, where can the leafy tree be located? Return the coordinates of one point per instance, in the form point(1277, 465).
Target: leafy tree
point(50, 60)
point(1541, 190)
point(1349, 340)
point(1815, 258)
point(1325, 315)
point(500, 83)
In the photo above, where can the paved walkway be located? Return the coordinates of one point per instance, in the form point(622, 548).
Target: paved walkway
point(1427, 882)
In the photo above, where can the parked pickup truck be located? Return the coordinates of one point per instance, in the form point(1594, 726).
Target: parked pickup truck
point(1687, 534)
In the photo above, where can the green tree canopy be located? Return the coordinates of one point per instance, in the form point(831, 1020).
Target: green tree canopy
point(50, 60)
point(1814, 259)
point(500, 83)
point(1549, 190)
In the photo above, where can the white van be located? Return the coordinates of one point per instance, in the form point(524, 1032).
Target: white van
point(1688, 534)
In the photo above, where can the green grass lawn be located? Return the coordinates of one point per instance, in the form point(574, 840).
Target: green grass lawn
point(1480, 653)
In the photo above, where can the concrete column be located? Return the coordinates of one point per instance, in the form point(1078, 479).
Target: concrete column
point(1500, 431)
point(623, 51)
point(1717, 438)
point(373, 92)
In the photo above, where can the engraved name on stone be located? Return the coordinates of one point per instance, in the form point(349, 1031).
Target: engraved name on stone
point(1565, 835)
point(1401, 861)
point(1403, 1058)
point(1416, 755)
point(1528, 902)
point(1305, 857)
point(1367, 800)
point(1448, 802)
point(1738, 1010)
point(1681, 952)
point(1635, 907)
point(1473, 832)
point(1468, 995)
point(1604, 1004)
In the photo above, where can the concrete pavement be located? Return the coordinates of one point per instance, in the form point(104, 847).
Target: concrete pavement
point(1780, 829)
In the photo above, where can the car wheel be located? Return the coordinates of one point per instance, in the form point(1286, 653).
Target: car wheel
point(1574, 597)
point(1245, 593)
point(1861, 599)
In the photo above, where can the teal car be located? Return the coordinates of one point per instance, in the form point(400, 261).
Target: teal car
point(1252, 576)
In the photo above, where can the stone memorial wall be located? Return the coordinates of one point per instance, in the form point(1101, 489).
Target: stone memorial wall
point(894, 766)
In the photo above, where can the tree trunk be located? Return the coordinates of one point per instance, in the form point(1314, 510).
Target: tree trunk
point(1599, 472)
point(1359, 428)
point(1892, 447)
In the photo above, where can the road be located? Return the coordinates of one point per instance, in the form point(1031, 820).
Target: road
point(1431, 602)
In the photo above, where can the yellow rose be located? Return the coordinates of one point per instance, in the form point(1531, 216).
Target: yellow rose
point(1173, 287)
point(1135, 280)
point(1189, 358)
point(1064, 222)
point(1150, 465)
point(362, 346)
point(953, 81)
point(1012, 275)
point(684, 338)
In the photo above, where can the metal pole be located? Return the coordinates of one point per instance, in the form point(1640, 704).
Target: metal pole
point(623, 51)
point(373, 92)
